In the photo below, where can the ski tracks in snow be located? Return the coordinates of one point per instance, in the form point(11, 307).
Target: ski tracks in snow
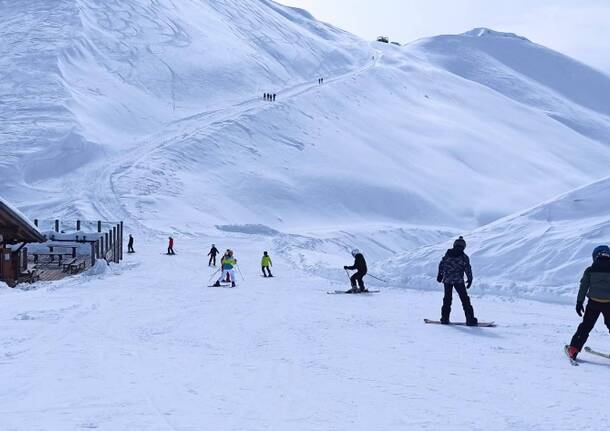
point(106, 187)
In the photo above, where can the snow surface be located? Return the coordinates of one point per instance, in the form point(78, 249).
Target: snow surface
point(146, 345)
point(152, 113)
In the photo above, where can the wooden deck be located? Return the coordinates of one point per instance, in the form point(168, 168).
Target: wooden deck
point(52, 272)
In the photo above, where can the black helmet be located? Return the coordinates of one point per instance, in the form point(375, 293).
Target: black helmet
point(602, 250)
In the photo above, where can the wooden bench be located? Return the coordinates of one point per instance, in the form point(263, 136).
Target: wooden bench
point(77, 266)
point(67, 266)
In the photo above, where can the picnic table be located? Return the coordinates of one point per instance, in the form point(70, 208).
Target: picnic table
point(51, 257)
point(74, 266)
point(52, 246)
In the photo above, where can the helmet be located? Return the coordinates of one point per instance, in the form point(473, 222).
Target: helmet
point(355, 252)
point(601, 250)
point(459, 243)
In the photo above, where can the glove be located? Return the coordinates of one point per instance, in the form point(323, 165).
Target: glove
point(468, 284)
point(439, 278)
point(580, 308)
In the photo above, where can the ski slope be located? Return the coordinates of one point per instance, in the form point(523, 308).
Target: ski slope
point(147, 346)
point(152, 113)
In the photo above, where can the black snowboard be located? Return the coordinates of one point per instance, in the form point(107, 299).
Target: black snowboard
point(480, 324)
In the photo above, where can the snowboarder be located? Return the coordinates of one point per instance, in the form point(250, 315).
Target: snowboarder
point(361, 270)
point(130, 245)
point(213, 252)
point(265, 264)
point(274, 97)
point(595, 285)
point(451, 273)
point(228, 263)
point(170, 246)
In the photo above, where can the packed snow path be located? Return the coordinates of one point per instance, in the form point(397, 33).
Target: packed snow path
point(151, 347)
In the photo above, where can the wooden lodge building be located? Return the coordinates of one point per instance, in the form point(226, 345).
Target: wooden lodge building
point(29, 253)
point(16, 231)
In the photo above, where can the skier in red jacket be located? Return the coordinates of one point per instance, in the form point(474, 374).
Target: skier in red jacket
point(170, 247)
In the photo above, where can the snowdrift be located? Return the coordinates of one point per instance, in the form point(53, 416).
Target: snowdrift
point(539, 253)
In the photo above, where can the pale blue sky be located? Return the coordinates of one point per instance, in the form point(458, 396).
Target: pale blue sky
point(579, 28)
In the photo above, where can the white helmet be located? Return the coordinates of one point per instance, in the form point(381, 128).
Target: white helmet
point(355, 252)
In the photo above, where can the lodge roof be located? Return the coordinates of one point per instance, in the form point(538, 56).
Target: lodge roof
point(15, 227)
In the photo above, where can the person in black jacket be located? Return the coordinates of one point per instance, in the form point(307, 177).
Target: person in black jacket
point(213, 252)
point(451, 272)
point(594, 285)
point(361, 270)
point(130, 245)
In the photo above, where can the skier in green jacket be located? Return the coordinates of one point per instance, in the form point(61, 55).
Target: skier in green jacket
point(265, 264)
point(595, 285)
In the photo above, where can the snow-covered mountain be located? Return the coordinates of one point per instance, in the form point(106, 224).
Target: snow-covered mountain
point(538, 253)
point(147, 110)
point(152, 112)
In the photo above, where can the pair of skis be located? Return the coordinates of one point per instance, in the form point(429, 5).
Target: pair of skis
point(225, 285)
point(588, 350)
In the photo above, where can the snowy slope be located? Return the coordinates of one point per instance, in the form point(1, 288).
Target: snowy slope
point(539, 253)
point(567, 90)
point(83, 79)
point(147, 346)
point(149, 110)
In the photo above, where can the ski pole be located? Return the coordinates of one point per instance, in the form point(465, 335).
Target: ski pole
point(239, 270)
point(217, 271)
point(377, 278)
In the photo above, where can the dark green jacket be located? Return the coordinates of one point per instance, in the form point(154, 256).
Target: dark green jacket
point(595, 282)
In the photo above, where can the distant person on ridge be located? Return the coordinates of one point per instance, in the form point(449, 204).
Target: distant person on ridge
point(357, 279)
point(595, 285)
point(451, 272)
point(170, 246)
point(274, 97)
point(130, 245)
point(213, 252)
point(265, 264)
point(228, 272)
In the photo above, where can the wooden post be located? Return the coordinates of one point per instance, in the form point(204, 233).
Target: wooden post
point(56, 225)
point(78, 225)
point(115, 254)
point(99, 226)
point(106, 244)
point(121, 242)
point(92, 254)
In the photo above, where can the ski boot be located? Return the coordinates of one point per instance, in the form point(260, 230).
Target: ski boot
point(363, 290)
point(353, 290)
point(217, 284)
point(572, 352)
point(444, 321)
point(472, 321)
point(232, 284)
